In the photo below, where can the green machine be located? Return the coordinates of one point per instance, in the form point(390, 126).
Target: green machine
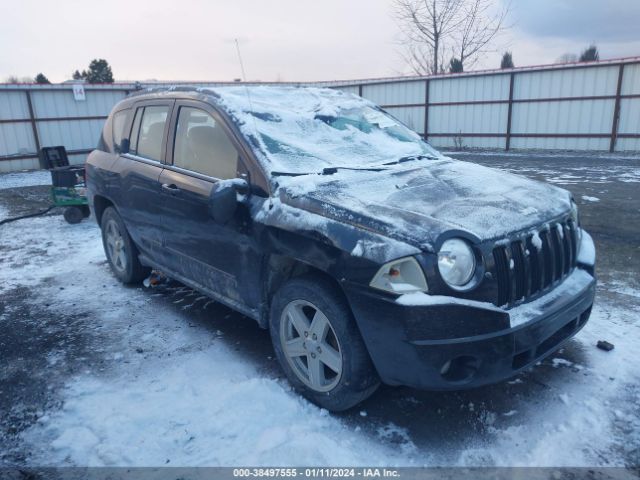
point(68, 187)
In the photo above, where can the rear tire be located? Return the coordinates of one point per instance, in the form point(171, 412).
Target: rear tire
point(73, 215)
point(120, 250)
point(318, 344)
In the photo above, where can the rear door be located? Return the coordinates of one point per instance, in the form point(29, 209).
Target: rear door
point(223, 259)
point(139, 171)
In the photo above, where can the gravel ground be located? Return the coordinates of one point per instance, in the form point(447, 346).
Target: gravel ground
point(93, 373)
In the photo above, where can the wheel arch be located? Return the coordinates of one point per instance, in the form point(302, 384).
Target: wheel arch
point(100, 204)
point(279, 269)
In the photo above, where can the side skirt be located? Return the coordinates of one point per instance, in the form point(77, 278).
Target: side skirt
point(233, 304)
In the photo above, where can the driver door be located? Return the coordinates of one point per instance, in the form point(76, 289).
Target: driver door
point(219, 258)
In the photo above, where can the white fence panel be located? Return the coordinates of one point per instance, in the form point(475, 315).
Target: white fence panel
point(570, 82)
point(73, 134)
point(77, 158)
point(19, 164)
point(631, 80)
point(354, 89)
point(560, 143)
point(413, 117)
point(467, 142)
point(628, 145)
point(13, 105)
point(469, 89)
point(16, 139)
point(62, 104)
point(579, 116)
point(398, 93)
point(472, 118)
point(629, 122)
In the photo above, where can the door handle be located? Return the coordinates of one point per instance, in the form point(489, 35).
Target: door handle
point(172, 189)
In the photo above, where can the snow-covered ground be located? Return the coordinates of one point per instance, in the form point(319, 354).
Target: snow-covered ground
point(25, 179)
point(164, 379)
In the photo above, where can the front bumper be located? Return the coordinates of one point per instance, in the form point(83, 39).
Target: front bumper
point(457, 345)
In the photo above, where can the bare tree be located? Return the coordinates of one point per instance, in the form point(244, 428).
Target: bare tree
point(567, 58)
point(462, 29)
point(426, 24)
point(16, 79)
point(477, 29)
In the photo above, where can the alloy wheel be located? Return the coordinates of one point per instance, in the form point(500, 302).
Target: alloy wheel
point(116, 246)
point(310, 345)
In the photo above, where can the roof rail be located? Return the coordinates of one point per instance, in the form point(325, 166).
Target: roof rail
point(172, 88)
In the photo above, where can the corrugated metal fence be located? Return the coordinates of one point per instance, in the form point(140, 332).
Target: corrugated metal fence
point(561, 107)
point(33, 116)
point(577, 107)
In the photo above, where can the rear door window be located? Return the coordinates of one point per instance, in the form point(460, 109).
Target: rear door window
point(147, 134)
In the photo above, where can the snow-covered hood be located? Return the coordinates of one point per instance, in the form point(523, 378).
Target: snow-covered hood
point(419, 204)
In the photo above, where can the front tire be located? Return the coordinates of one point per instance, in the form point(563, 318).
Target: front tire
point(120, 250)
point(318, 344)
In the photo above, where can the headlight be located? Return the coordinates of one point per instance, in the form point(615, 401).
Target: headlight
point(456, 262)
point(400, 276)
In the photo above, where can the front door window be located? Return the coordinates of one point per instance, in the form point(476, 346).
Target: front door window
point(202, 145)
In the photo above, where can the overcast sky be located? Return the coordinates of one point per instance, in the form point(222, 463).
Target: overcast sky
point(280, 39)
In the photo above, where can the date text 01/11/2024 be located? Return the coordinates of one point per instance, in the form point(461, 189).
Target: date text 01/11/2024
point(315, 472)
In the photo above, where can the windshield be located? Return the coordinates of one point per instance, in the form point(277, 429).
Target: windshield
point(308, 130)
point(355, 137)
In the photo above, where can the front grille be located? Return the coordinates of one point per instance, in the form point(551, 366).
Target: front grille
point(533, 263)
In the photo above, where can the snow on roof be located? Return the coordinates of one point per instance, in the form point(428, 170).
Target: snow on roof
point(286, 127)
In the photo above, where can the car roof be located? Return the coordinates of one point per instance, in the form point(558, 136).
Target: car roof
point(263, 98)
point(158, 94)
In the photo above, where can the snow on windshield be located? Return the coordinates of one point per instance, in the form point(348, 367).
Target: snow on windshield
point(303, 130)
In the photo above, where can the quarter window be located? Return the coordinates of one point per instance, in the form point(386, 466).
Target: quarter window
point(202, 145)
point(119, 119)
point(148, 132)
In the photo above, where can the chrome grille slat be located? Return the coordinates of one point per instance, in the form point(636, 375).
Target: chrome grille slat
point(524, 271)
point(549, 257)
point(519, 270)
point(502, 274)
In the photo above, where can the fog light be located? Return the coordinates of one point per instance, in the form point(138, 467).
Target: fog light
point(460, 369)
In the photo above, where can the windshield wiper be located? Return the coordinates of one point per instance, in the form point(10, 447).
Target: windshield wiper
point(291, 174)
point(332, 170)
point(326, 171)
point(410, 158)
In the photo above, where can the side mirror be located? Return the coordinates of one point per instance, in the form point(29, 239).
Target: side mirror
point(223, 199)
point(124, 146)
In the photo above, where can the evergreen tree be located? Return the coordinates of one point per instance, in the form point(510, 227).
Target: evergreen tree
point(99, 72)
point(40, 78)
point(590, 54)
point(507, 60)
point(455, 66)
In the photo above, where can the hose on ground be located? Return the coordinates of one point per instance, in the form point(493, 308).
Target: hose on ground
point(29, 215)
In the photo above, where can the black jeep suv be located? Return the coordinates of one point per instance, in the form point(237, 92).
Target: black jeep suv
point(367, 254)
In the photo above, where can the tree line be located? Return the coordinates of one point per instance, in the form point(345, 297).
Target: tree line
point(99, 71)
